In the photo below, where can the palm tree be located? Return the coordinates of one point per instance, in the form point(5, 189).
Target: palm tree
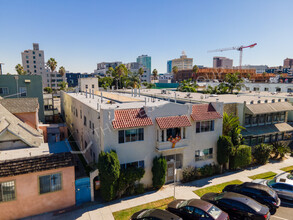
point(155, 74)
point(119, 73)
point(233, 81)
point(175, 70)
point(194, 71)
point(133, 80)
point(230, 122)
point(141, 71)
point(62, 85)
point(19, 69)
point(62, 71)
point(52, 64)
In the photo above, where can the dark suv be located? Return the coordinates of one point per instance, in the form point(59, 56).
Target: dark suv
point(261, 193)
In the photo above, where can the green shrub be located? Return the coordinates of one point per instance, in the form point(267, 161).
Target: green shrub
point(280, 149)
point(127, 180)
point(242, 157)
point(109, 171)
point(207, 170)
point(261, 153)
point(190, 173)
point(139, 188)
point(224, 149)
point(159, 170)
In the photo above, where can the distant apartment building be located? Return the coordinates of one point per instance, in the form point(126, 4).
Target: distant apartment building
point(23, 86)
point(72, 78)
point(288, 63)
point(134, 68)
point(33, 62)
point(222, 62)
point(146, 61)
point(103, 67)
point(258, 68)
point(182, 63)
point(139, 128)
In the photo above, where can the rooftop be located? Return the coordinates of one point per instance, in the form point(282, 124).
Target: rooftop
point(20, 105)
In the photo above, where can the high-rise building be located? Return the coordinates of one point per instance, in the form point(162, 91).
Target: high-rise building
point(182, 63)
point(222, 62)
point(146, 61)
point(169, 66)
point(288, 63)
point(33, 62)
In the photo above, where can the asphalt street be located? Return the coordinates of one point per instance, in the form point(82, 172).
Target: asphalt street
point(285, 212)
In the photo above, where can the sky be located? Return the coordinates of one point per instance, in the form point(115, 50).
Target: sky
point(81, 33)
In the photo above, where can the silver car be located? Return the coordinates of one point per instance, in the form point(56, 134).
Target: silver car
point(282, 184)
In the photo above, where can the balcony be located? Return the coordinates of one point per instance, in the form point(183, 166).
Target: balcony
point(167, 145)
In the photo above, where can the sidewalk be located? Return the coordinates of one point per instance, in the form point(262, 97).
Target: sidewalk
point(183, 191)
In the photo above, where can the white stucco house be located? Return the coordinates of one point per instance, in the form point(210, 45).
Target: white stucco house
point(139, 128)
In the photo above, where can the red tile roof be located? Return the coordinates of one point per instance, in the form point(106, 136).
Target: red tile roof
point(204, 112)
point(173, 122)
point(131, 118)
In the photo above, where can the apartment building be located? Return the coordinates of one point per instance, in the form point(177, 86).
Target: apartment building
point(33, 62)
point(288, 63)
point(182, 63)
point(222, 62)
point(139, 128)
point(103, 67)
point(134, 68)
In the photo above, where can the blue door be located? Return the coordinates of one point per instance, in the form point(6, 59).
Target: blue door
point(82, 190)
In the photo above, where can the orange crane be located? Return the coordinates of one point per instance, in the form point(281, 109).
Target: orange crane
point(239, 48)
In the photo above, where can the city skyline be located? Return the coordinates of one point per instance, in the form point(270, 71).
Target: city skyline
point(88, 34)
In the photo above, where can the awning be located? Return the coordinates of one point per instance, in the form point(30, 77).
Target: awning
point(267, 129)
point(265, 108)
point(173, 122)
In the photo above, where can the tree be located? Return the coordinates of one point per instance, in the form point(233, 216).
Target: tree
point(52, 64)
point(62, 85)
point(106, 82)
point(110, 71)
point(280, 149)
point(230, 122)
point(242, 157)
point(19, 69)
point(233, 81)
point(159, 171)
point(175, 70)
point(133, 80)
point(141, 71)
point(262, 153)
point(109, 171)
point(187, 86)
point(194, 71)
point(155, 74)
point(224, 149)
point(119, 73)
point(48, 90)
point(62, 71)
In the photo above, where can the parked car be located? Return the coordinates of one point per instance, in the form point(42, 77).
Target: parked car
point(238, 206)
point(282, 184)
point(259, 192)
point(196, 209)
point(152, 214)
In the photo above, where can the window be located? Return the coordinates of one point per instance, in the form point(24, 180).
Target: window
point(247, 120)
point(204, 126)
point(34, 57)
point(136, 164)
point(282, 117)
point(4, 91)
point(34, 62)
point(163, 135)
point(188, 209)
point(27, 66)
point(173, 132)
point(131, 135)
point(86, 86)
point(50, 183)
point(84, 120)
point(40, 55)
point(27, 61)
point(33, 52)
point(22, 91)
point(90, 123)
point(7, 191)
point(93, 86)
point(204, 154)
point(80, 114)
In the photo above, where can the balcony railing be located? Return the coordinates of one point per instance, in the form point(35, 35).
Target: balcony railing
point(167, 145)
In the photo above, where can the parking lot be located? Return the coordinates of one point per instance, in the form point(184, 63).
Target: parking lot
point(285, 212)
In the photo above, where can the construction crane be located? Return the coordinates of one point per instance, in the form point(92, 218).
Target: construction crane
point(240, 49)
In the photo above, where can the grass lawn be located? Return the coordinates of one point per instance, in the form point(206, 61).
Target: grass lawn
point(216, 188)
point(287, 169)
point(127, 213)
point(268, 175)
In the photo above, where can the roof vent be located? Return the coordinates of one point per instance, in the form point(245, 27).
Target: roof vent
point(279, 100)
point(266, 101)
point(251, 102)
point(286, 100)
point(273, 100)
point(258, 101)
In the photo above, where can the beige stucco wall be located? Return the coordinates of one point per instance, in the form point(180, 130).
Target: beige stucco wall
point(29, 202)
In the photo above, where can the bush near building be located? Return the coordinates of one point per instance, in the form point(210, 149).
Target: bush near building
point(261, 153)
point(193, 173)
point(242, 157)
point(159, 170)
